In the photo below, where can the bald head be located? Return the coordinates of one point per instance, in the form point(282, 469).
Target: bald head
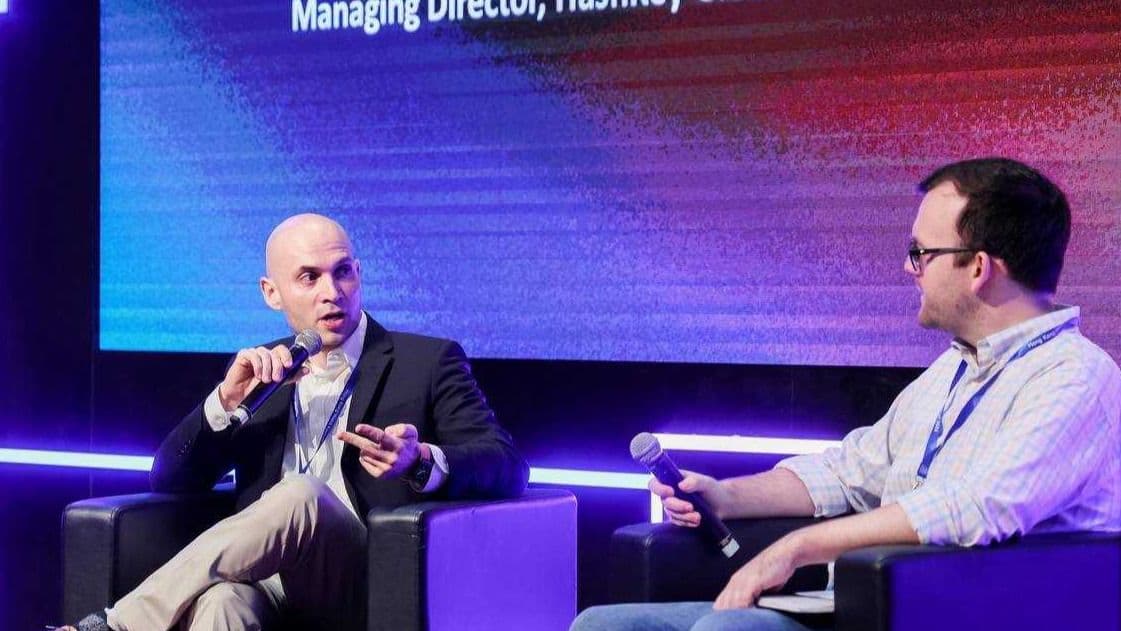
point(307, 229)
point(313, 277)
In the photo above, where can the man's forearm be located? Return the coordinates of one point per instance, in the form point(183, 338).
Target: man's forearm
point(824, 542)
point(774, 493)
point(192, 457)
point(820, 543)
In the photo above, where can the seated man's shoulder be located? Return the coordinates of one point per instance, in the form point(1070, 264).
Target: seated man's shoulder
point(1078, 358)
point(415, 344)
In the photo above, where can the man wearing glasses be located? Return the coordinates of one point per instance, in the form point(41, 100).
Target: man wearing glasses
point(1013, 430)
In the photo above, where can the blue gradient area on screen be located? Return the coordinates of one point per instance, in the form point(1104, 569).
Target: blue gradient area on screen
point(734, 183)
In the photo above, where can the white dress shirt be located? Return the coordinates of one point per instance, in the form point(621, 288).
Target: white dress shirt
point(318, 392)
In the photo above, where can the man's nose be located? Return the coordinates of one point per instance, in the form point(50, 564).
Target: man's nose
point(329, 289)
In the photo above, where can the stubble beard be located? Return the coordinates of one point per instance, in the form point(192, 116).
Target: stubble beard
point(951, 319)
point(927, 316)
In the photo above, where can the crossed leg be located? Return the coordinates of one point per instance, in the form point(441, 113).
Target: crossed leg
point(298, 530)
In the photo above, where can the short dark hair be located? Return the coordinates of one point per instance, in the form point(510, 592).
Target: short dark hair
point(1013, 213)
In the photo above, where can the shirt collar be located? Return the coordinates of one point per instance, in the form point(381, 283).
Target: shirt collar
point(1001, 345)
point(349, 352)
point(352, 346)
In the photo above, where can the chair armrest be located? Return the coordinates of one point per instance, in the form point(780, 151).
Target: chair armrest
point(110, 544)
point(490, 564)
point(1068, 581)
point(663, 562)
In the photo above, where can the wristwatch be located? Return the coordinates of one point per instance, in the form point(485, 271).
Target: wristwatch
point(421, 470)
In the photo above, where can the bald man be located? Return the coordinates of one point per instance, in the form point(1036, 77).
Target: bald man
point(376, 418)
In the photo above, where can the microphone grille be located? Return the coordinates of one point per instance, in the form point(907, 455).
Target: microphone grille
point(309, 339)
point(645, 448)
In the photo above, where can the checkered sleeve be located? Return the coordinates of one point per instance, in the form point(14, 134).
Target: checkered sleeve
point(1061, 431)
point(850, 477)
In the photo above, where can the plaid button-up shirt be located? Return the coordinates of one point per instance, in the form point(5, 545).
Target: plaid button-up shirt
point(1041, 452)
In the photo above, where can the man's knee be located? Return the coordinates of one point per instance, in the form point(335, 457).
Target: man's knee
point(303, 499)
point(300, 490)
point(629, 617)
point(596, 618)
point(303, 494)
point(229, 606)
point(749, 619)
point(220, 595)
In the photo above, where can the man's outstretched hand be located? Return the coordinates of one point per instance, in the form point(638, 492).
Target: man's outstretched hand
point(387, 453)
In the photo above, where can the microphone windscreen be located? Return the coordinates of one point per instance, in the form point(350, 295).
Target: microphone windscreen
point(645, 448)
point(310, 340)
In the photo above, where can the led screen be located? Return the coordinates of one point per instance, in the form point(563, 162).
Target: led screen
point(634, 180)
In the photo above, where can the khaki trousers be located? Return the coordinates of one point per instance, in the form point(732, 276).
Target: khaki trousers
point(297, 552)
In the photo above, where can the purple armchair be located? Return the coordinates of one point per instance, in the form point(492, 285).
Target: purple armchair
point(440, 565)
point(1068, 581)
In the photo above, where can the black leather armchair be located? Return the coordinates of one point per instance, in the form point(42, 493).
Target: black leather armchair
point(442, 565)
point(1070, 581)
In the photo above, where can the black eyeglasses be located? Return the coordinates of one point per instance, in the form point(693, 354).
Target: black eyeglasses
point(915, 253)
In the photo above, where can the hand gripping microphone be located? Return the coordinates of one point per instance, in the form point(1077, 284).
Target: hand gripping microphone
point(647, 452)
point(307, 344)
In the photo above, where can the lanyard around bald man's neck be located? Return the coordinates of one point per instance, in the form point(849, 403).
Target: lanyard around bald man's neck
point(327, 429)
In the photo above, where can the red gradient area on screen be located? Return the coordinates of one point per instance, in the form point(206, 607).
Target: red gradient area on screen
point(789, 139)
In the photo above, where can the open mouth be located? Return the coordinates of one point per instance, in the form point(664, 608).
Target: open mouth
point(333, 320)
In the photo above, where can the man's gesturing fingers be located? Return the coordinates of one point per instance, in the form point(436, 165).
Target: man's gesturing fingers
point(370, 454)
point(389, 452)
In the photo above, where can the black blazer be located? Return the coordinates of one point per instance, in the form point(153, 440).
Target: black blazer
point(405, 378)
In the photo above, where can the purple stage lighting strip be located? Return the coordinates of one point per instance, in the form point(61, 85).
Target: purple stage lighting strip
point(77, 459)
point(579, 477)
point(537, 475)
point(744, 444)
point(86, 460)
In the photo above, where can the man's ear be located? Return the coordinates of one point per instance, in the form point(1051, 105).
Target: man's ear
point(982, 269)
point(271, 294)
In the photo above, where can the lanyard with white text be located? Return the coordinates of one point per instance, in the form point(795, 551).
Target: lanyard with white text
point(932, 444)
point(331, 421)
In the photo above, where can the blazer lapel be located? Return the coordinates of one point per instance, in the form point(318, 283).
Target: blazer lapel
point(372, 365)
point(270, 423)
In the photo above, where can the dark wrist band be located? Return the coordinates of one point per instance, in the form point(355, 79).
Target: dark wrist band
point(420, 472)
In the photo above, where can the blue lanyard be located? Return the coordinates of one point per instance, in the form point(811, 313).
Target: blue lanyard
point(932, 445)
point(331, 421)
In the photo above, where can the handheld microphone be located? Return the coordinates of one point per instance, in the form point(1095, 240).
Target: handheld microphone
point(647, 451)
point(307, 343)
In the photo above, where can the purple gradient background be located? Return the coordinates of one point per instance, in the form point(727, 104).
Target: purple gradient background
point(731, 184)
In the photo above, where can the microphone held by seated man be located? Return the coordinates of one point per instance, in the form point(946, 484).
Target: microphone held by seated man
point(1012, 431)
point(375, 418)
